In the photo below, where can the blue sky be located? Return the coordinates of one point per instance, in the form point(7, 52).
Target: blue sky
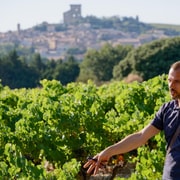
point(32, 12)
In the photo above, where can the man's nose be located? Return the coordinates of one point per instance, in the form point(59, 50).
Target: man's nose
point(171, 84)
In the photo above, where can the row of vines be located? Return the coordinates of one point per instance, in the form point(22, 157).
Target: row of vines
point(47, 132)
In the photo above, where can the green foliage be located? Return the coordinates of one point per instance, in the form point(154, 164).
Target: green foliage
point(175, 28)
point(21, 51)
point(17, 167)
point(67, 71)
point(149, 163)
point(125, 24)
point(41, 27)
point(16, 72)
point(98, 65)
point(60, 27)
point(69, 171)
point(149, 60)
point(76, 50)
point(62, 125)
point(103, 65)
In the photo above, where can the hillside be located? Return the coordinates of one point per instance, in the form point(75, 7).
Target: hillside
point(54, 41)
point(166, 26)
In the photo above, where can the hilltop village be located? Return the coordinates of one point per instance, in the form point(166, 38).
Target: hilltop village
point(54, 44)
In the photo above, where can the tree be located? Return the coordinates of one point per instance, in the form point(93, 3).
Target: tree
point(123, 69)
point(37, 64)
point(15, 73)
point(98, 65)
point(67, 72)
point(149, 60)
point(50, 69)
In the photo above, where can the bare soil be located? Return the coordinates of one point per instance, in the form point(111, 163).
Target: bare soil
point(110, 172)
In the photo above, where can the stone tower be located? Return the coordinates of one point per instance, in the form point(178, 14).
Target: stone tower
point(18, 28)
point(73, 15)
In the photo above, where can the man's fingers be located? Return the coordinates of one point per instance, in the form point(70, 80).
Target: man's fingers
point(94, 164)
point(87, 164)
point(90, 161)
point(91, 167)
point(96, 169)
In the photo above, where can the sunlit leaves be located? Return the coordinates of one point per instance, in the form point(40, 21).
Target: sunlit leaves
point(57, 123)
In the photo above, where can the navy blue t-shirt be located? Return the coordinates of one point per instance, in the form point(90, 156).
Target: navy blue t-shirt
point(168, 119)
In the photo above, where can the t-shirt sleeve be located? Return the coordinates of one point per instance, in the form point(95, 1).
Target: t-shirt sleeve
point(158, 119)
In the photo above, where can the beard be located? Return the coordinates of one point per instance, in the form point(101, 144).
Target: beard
point(174, 94)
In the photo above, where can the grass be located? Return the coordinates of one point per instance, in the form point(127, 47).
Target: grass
point(167, 26)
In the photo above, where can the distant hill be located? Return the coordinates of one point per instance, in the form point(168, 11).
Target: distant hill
point(54, 41)
point(166, 26)
point(124, 24)
point(169, 29)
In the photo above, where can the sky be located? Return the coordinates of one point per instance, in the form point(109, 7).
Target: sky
point(29, 13)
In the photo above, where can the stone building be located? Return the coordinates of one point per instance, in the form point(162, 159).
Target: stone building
point(73, 15)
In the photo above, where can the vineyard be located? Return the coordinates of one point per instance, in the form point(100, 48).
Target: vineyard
point(48, 132)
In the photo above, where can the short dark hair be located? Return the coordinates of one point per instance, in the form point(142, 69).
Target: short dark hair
point(176, 66)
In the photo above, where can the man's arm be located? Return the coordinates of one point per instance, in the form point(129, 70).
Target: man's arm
point(132, 141)
point(127, 144)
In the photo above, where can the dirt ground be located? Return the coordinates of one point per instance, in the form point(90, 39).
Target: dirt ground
point(110, 172)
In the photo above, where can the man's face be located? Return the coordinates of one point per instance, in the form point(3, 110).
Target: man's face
point(174, 83)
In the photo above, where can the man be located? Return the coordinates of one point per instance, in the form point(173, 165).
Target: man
point(166, 119)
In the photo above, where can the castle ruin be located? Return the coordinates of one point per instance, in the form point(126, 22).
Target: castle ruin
point(73, 15)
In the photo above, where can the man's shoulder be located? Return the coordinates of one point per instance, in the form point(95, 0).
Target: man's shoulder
point(170, 105)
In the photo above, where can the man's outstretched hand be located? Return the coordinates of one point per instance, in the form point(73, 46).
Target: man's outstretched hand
point(93, 164)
